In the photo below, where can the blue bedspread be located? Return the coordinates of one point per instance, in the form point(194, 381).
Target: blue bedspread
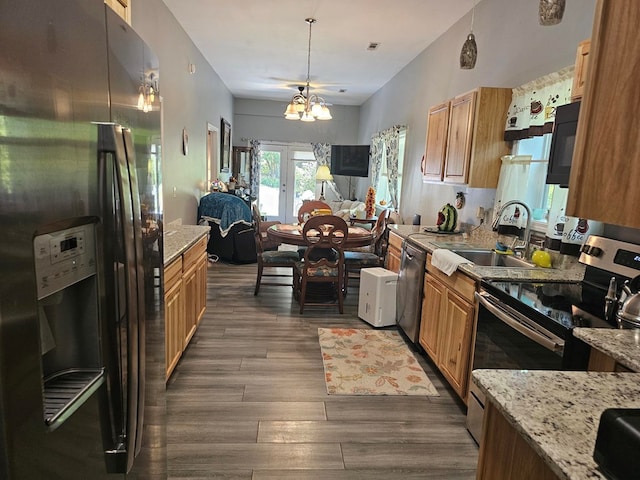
point(224, 209)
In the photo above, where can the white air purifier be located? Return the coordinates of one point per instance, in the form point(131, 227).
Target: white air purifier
point(377, 301)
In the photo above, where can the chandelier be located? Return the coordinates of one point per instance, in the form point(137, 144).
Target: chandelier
point(303, 106)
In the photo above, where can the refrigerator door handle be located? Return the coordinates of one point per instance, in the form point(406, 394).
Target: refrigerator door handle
point(121, 211)
point(141, 315)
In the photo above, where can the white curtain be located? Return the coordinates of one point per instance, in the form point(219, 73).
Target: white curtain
point(533, 105)
point(255, 167)
point(385, 144)
point(520, 179)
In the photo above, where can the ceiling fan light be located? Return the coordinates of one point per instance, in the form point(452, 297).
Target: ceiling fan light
point(291, 113)
point(299, 107)
point(307, 117)
point(316, 110)
point(325, 113)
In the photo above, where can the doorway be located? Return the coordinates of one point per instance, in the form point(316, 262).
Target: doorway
point(213, 145)
point(287, 177)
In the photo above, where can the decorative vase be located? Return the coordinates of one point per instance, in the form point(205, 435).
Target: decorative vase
point(370, 202)
point(469, 53)
point(550, 11)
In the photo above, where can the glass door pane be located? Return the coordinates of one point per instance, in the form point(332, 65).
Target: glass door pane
point(287, 177)
point(271, 190)
point(302, 175)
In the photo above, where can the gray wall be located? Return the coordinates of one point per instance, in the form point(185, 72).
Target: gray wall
point(188, 101)
point(512, 49)
point(264, 120)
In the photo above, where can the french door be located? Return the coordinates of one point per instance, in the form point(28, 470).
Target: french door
point(287, 177)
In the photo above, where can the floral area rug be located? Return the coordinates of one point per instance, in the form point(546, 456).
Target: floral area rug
point(370, 362)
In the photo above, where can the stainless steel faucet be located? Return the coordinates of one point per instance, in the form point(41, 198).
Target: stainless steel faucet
point(527, 230)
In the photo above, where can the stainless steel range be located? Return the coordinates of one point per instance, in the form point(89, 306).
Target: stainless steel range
point(528, 324)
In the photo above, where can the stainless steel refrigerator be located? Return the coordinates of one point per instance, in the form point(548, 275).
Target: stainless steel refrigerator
point(81, 313)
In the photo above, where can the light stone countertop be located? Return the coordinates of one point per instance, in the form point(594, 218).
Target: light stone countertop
point(430, 241)
point(621, 345)
point(558, 413)
point(178, 238)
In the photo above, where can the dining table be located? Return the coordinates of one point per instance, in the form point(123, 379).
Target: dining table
point(292, 234)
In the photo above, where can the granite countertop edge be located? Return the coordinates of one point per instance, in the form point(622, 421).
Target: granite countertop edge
point(431, 241)
point(178, 238)
point(621, 345)
point(558, 412)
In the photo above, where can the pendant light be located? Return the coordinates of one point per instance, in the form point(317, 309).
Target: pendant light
point(550, 12)
point(307, 107)
point(469, 52)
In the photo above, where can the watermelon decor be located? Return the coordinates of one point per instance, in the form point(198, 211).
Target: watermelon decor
point(447, 218)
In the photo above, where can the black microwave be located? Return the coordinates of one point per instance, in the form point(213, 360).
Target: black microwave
point(563, 140)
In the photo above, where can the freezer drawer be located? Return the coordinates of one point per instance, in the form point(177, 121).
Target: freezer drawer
point(377, 301)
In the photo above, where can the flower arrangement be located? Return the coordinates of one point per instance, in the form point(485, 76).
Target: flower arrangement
point(370, 202)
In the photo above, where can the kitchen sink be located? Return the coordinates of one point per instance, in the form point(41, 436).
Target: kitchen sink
point(490, 258)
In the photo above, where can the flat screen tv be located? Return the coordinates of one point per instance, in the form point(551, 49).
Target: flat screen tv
point(350, 160)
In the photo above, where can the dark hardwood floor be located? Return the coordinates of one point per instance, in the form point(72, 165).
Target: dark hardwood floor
point(248, 400)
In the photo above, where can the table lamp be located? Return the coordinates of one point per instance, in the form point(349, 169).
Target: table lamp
point(323, 175)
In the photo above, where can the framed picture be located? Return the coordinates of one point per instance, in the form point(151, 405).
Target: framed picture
point(225, 145)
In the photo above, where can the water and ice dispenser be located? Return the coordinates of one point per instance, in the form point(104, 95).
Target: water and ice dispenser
point(67, 289)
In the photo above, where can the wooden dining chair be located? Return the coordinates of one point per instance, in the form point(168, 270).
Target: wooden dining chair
point(272, 259)
point(357, 260)
point(307, 208)
point(324, 236)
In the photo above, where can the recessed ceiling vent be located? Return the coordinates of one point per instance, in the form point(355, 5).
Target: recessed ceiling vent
point(373, 46)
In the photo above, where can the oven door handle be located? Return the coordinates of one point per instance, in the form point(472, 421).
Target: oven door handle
point(537, 337)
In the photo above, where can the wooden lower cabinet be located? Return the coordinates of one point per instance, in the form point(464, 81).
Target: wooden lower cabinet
point(173, 314)
point(505, 455)
point(394, 252)
point(185, 300)
point(455, 345)
point(191, 304)
point(201, 282)
point(432, 302)
point(446, 325)
point(601, 362)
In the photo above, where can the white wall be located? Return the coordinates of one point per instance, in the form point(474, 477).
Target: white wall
point(512, 49)
point(189, 101)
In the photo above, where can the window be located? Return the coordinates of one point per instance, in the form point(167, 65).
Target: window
point(383, 197)
point(539, 196)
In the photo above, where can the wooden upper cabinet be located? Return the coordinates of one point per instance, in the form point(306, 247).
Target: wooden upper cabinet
point(465, 138)
point(580, 73)
point(605, 169)
point(436, 149)
point(459, 138)
point(122, 8)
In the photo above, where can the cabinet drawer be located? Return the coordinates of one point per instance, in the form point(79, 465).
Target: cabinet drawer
point(464, 286)
point(172, 273)
point(395, 240)
point(191, 256)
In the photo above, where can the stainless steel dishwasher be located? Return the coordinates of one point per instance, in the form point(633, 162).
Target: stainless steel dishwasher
point(409, 290)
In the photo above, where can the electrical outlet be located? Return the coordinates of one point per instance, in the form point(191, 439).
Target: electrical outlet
point(480, 213)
